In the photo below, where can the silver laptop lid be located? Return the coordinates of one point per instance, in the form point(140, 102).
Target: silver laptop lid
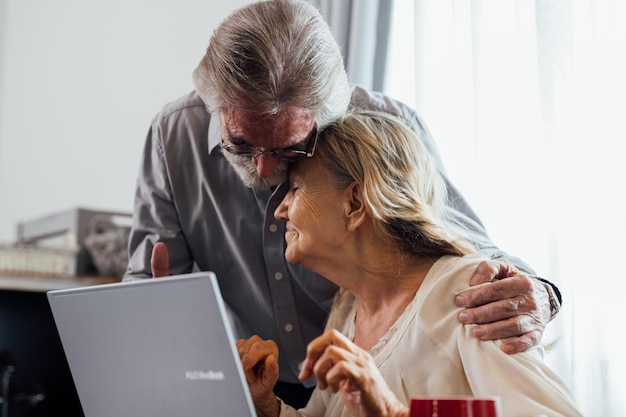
point(154, 347)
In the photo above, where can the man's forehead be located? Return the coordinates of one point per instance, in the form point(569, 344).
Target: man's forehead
point(293, 124)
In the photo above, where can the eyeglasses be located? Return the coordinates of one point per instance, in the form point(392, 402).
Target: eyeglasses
point(290, 154)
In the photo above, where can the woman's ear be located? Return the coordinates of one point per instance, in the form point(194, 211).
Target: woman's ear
point(354, 207)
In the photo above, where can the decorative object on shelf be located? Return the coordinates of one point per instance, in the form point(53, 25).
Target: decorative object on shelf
point(107, 243)
point(76, 242)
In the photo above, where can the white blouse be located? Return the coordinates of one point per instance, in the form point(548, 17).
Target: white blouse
point(429, 352)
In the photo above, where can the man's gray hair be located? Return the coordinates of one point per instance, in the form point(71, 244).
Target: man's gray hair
point(272, 54)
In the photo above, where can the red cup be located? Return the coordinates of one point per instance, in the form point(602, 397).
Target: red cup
point(460, 406)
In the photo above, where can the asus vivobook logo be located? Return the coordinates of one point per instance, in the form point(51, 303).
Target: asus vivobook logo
point(205, 375)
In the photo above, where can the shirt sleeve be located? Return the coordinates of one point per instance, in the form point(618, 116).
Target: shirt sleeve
point(465, 222)
point(155, 218)
point(524, 383)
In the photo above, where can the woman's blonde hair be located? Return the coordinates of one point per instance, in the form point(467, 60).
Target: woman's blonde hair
point(403, 192)
point(272, 54)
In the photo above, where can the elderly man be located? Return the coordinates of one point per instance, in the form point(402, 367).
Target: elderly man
point(214, 170)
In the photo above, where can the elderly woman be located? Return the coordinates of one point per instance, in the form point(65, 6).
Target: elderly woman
point(367, 212)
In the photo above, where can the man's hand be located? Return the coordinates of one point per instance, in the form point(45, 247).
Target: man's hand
point(512, 305)
point(160, 261)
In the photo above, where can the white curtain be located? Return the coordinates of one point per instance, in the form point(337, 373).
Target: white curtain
point(361, 28)
point(527, 101)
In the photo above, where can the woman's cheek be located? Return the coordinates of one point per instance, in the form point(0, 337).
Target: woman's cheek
point(291, 250)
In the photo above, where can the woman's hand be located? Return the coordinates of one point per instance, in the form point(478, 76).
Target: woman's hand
point(259, 359)
point(346, 368)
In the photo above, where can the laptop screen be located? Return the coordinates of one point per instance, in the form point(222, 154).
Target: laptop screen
point(154, 347)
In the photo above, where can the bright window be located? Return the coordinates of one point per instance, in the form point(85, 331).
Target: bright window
point(526, 102)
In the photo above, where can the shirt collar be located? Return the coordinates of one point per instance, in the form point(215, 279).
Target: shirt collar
point(215, 131)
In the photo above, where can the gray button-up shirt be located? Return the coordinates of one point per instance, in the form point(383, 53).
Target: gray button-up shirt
point(189, 197)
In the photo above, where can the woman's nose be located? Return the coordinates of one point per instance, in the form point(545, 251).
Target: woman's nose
point(281, 211)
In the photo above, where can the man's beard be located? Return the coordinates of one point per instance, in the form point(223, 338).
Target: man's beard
point(247, 172)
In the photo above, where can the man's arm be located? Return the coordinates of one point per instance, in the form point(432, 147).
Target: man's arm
point(155, 218)
point(517, 306)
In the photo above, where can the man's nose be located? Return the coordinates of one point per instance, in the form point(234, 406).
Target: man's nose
point(265, 164)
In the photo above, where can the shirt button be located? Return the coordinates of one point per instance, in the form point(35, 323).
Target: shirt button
point(278, 276)
point(289, 327)
point(273, 228)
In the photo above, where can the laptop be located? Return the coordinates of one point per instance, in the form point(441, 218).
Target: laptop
point(155, 347)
